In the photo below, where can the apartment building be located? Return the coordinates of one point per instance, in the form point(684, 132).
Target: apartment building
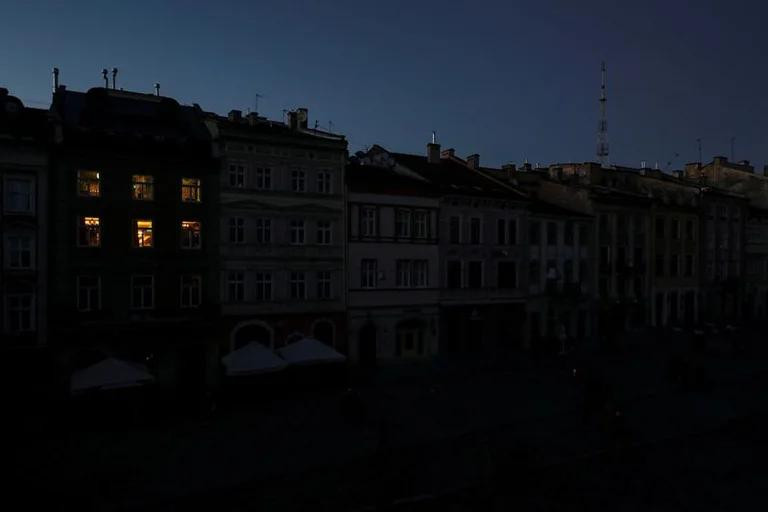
point(282, 230)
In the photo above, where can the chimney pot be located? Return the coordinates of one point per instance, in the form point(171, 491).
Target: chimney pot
point(235, 115)
point(473, 161)
point(433, 153)
point(55, 79)
point(448, 153)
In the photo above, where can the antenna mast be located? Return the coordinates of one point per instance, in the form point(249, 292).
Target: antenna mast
point(602, 127)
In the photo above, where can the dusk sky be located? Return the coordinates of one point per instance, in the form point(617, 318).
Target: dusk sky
point(509, 80)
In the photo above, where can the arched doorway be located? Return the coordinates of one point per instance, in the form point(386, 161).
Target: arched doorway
point(323, 331)
point(247, 332)
point(367, 345)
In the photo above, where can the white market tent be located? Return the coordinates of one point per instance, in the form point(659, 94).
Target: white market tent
point(110, 373)
point(252, 359)
point(309, 351)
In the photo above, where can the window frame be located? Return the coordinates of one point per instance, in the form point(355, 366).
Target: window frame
point(297, 232)
point(8, 203)
point(82, 227)
point(31, 311)
point(137, 185)
point(9, 261)
point(136, 230)
point(194, 185)
point(369, 273)
point(188, 236)
point(82, 191)
point(142, 307)
point(195, 278)
point(79, 287)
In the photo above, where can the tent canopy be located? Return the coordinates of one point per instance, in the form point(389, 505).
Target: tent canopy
point(252, 359)
point(110, 373)
point(310, 351)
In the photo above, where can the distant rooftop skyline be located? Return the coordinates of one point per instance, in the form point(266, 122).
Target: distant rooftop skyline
point(510, 82)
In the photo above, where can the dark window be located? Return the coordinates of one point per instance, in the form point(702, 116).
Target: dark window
point(689, 265)
point(501, 232)
point(507, 274)
point(659, 265)
point(690, 230)
point(638, 258)
point(551, 233)
point(660, 227)
point(534, 273)
point(534, 232)
point(512, 224)
point(455, 230)
point(263, 286)
point(454, 274)
point(475, 274)
point(676, 229)
point(583, 235)
point(674, 265)
point(568, 271)
point(474, 231)
point(569, 233)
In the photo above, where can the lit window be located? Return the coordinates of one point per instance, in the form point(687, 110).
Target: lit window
point(190, 291)
point(263, 286)
point(324, 232)
point(19, 312)
point(142, 230)
point(142, 292)
point(235, 286)
point(143, 187)
point(236, 230)
point(298, 179)
point(19, 251)
point(190, 234)
point(18, 195)
point(236, 175)
point(88, 232)
point(297, 232)
point(190, 190)
point(88, 293)
point(324, 284)
point(88, 183)
point(298, 285)
point(324, 182)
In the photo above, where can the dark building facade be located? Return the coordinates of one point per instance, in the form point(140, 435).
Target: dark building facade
point(133, 233)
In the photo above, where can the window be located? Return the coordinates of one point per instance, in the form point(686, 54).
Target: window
point(235, 286)
point(659, 265)
point(534, 232)
point(455, 230)
point(676, 229)
point(191, 295)
point(534, 273)
point(368, 274)
point(190, 190)
point(142, 292)
point(453, 269)
point(19, 251)
point(637, 259)
point(297, 232)
point(88, 293)
point(88, 232)
point(88, 183)
point(475, 274)
point(18, 195)
point(689, 269)
point(263, 231)
point(551, 233)
point(501, 231)
point(298, 285)
point(690, 230)
point(142, 233)
point(324, 285)
point(512, 235)
point(236, 175)
point(403, 273)
point(298, 179)
point(420, 274)
point(237, 230)
point(190, 234)
point(420, 224)
point(324, 182)
point(583, 235)
point(569, 233)
point(674, 265)
point(568, 275)
point(507, 274)
point(324, 232)
point(403, 223)
point(263, 178)
point(474, 231)
point(368, 221)
point(142, 187)
point(639, 224)
point(605, 258)
point(659, 227)
point(264, 286)
point(19, 312)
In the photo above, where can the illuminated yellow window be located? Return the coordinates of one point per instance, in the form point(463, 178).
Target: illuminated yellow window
point(88, 183)
point(190, 190)
point(88, 232)
point(143, 187)
point(190, 234)
point(143, 233)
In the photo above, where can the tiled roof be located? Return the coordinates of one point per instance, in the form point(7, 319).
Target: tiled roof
point(383, 180)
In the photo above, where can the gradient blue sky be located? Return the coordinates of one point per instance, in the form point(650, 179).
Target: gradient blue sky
point(510, 80)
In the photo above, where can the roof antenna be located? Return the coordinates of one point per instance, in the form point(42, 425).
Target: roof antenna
point(157, 89)
point(256, 102)
point(699, 143)
point(434, 137)
point(602, 127)
point(330, 126)
point(55, 79)
point(104, 74)
point(114, 78)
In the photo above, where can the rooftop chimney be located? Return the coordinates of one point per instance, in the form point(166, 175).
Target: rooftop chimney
point(303, 116)
point(509, 169)
point(105, 76)
point(55, 79)
point(473, 161)
point(433, 152)
point(235, 116)
point(114, 78)
point(448, 153)
point(292, 120)
point(157, 89)
point(253, 118)
point(720, 160)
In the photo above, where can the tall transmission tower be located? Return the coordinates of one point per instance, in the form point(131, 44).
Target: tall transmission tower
point(602, 126)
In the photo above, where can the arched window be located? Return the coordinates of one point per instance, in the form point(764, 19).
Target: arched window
point(255, 330)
